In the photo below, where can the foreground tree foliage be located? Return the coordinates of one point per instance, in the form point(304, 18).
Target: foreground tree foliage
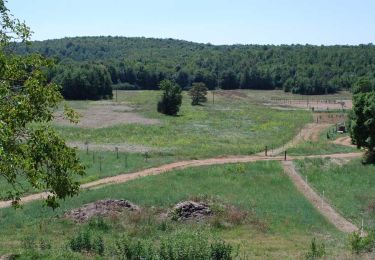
point(171, 99)
point(362, 118)
point(29, 148)
point(143, 63)
point(198, 93)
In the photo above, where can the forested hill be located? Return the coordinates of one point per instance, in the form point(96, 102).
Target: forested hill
point(140, 63)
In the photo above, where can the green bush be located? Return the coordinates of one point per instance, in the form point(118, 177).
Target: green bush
point(171, 100)
point(198, 93)
point(99, 224)
point(84, 242)
point(361, 244)
point(316, 250)
point(183, 245)
point(221, 250)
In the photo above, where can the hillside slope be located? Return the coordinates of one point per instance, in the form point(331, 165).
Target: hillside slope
point(143, 62)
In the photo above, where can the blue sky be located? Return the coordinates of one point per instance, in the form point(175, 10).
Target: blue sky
point(216, 21)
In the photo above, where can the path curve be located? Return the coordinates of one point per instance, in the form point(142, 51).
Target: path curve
point(125, 177)
point(310, 132)
point(317, 201)
point(345, 140)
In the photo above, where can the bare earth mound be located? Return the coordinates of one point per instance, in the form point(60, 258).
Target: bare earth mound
point(102, 208)
point(190, 210)
point(105, 115)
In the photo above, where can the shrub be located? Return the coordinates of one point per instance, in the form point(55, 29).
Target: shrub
point(98, 223)
point(98, 246)
point(360, 244)
point(221, 250)
point(198, 93)
point(183, 245)
point(84, 242)
point(316, 250)
point(171, 99)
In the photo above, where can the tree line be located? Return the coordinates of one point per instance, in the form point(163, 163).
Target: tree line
point(142, 63)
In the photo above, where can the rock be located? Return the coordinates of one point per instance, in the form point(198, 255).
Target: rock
point(102, 208)
point(190, 210)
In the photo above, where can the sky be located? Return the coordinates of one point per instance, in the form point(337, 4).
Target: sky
point(316, 22)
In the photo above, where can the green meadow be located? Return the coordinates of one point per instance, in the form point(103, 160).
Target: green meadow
point(277, 213)
point(348, 186)
point(230, 126)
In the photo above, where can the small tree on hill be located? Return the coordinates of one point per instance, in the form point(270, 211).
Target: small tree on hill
point(198, 93)
point(171, 100)
point(362, 119)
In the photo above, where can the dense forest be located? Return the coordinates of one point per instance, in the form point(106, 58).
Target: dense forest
point(84, 63)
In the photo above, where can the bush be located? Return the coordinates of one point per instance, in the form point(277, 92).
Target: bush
point(316, 250)
point(84, 242)
point(182, 245)
point(221, 250)
point(99, 224)
point(171, 99)
point(360, 244)
point(198, 93)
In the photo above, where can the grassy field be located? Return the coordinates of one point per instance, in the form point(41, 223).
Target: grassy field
point(233, 125)
point(281, 221)
point(348, 186)
point(100, 164)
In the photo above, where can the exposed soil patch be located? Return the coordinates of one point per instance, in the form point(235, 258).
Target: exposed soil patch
point(105, 115)
point(190, 210)
point(102, 208)
point(345, 140)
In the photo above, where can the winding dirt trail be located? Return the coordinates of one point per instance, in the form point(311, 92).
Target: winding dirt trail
point(122, 178)
point(317, 201)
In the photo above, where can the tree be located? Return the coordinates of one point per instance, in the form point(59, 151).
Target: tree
point(88, 81)
point(362, 121)
point(171, 99)
point(30, 149)
point(182, 79)
point(362, 85)
point(198, 93)
point(228, 80)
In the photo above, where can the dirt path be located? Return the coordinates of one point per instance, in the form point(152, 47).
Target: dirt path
point(122, 178)
point(320, 204)
point(309, 132)
point(345, 140)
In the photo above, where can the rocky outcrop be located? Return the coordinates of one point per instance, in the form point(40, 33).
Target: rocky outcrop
point(190, 210)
